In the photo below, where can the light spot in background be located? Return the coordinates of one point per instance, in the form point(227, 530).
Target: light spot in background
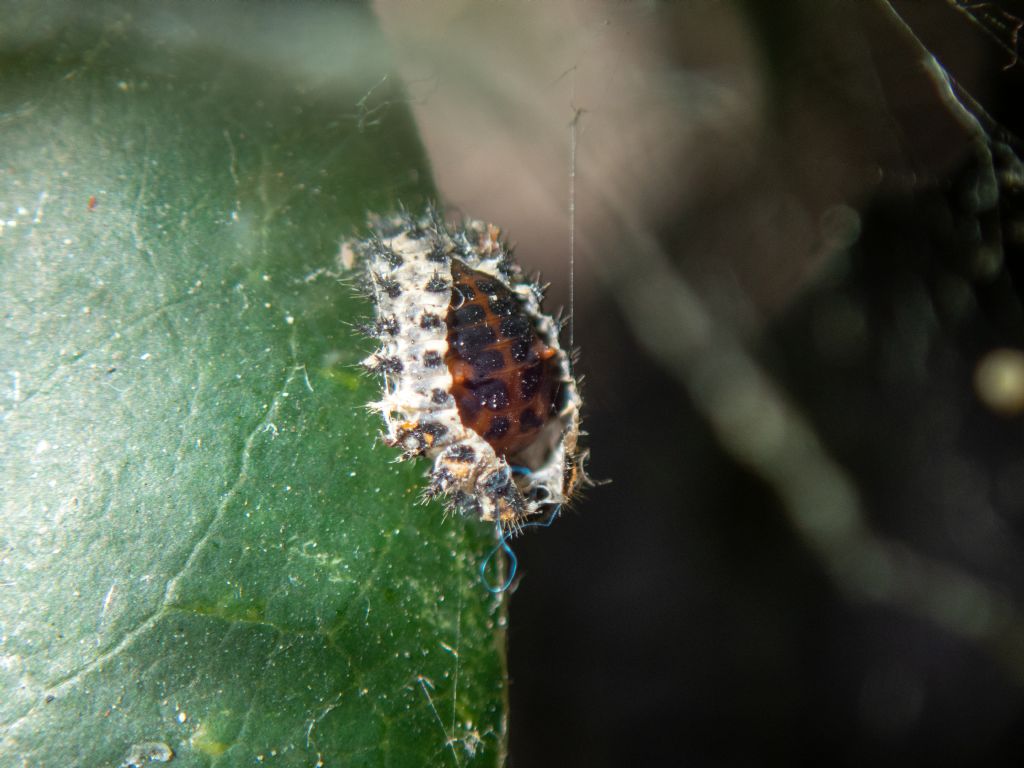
point(999, 381)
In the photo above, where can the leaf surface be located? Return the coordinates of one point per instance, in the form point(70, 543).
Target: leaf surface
point(206, 557)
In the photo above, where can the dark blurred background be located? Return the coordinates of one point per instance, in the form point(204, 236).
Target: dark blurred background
point(798, 268)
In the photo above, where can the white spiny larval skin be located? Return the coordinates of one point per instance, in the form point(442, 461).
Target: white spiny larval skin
point(408, 264)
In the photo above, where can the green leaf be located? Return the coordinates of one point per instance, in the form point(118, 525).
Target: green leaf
point(206, 557)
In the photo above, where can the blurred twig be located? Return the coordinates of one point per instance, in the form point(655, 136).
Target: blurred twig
point(760, 426)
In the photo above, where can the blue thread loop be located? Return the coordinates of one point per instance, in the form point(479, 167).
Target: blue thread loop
point(513, 561)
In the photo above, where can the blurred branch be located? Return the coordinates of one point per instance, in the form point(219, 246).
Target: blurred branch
point(760, 426)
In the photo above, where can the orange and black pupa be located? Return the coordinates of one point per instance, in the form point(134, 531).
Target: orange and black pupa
point(474, 377)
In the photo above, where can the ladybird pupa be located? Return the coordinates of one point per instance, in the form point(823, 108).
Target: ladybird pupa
point(474, 377)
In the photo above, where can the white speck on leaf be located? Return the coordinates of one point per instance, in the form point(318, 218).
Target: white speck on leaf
point(39, 211)
point(15, 394)
point(147, 752)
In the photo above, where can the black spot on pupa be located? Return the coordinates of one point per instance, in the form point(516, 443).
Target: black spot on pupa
point(437, 284)
point(432, 359)
point(468, 315)
point(463, 454)
point(438, 397)
point(517, 326)
point(472, 340)
point(492, 394)
point(501, 306)
point(386, 365)
point(520, 350)
point(388, 325)
point(506, 267)
point(499, 427)
point(389, 286)
point(496, 484)
point(384, 252)
point(487, 362)
point(437, 254)
point(488, 287)
point(529, 381)
point(429, 321)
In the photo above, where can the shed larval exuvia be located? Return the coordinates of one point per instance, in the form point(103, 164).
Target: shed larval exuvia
point(473, 374)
